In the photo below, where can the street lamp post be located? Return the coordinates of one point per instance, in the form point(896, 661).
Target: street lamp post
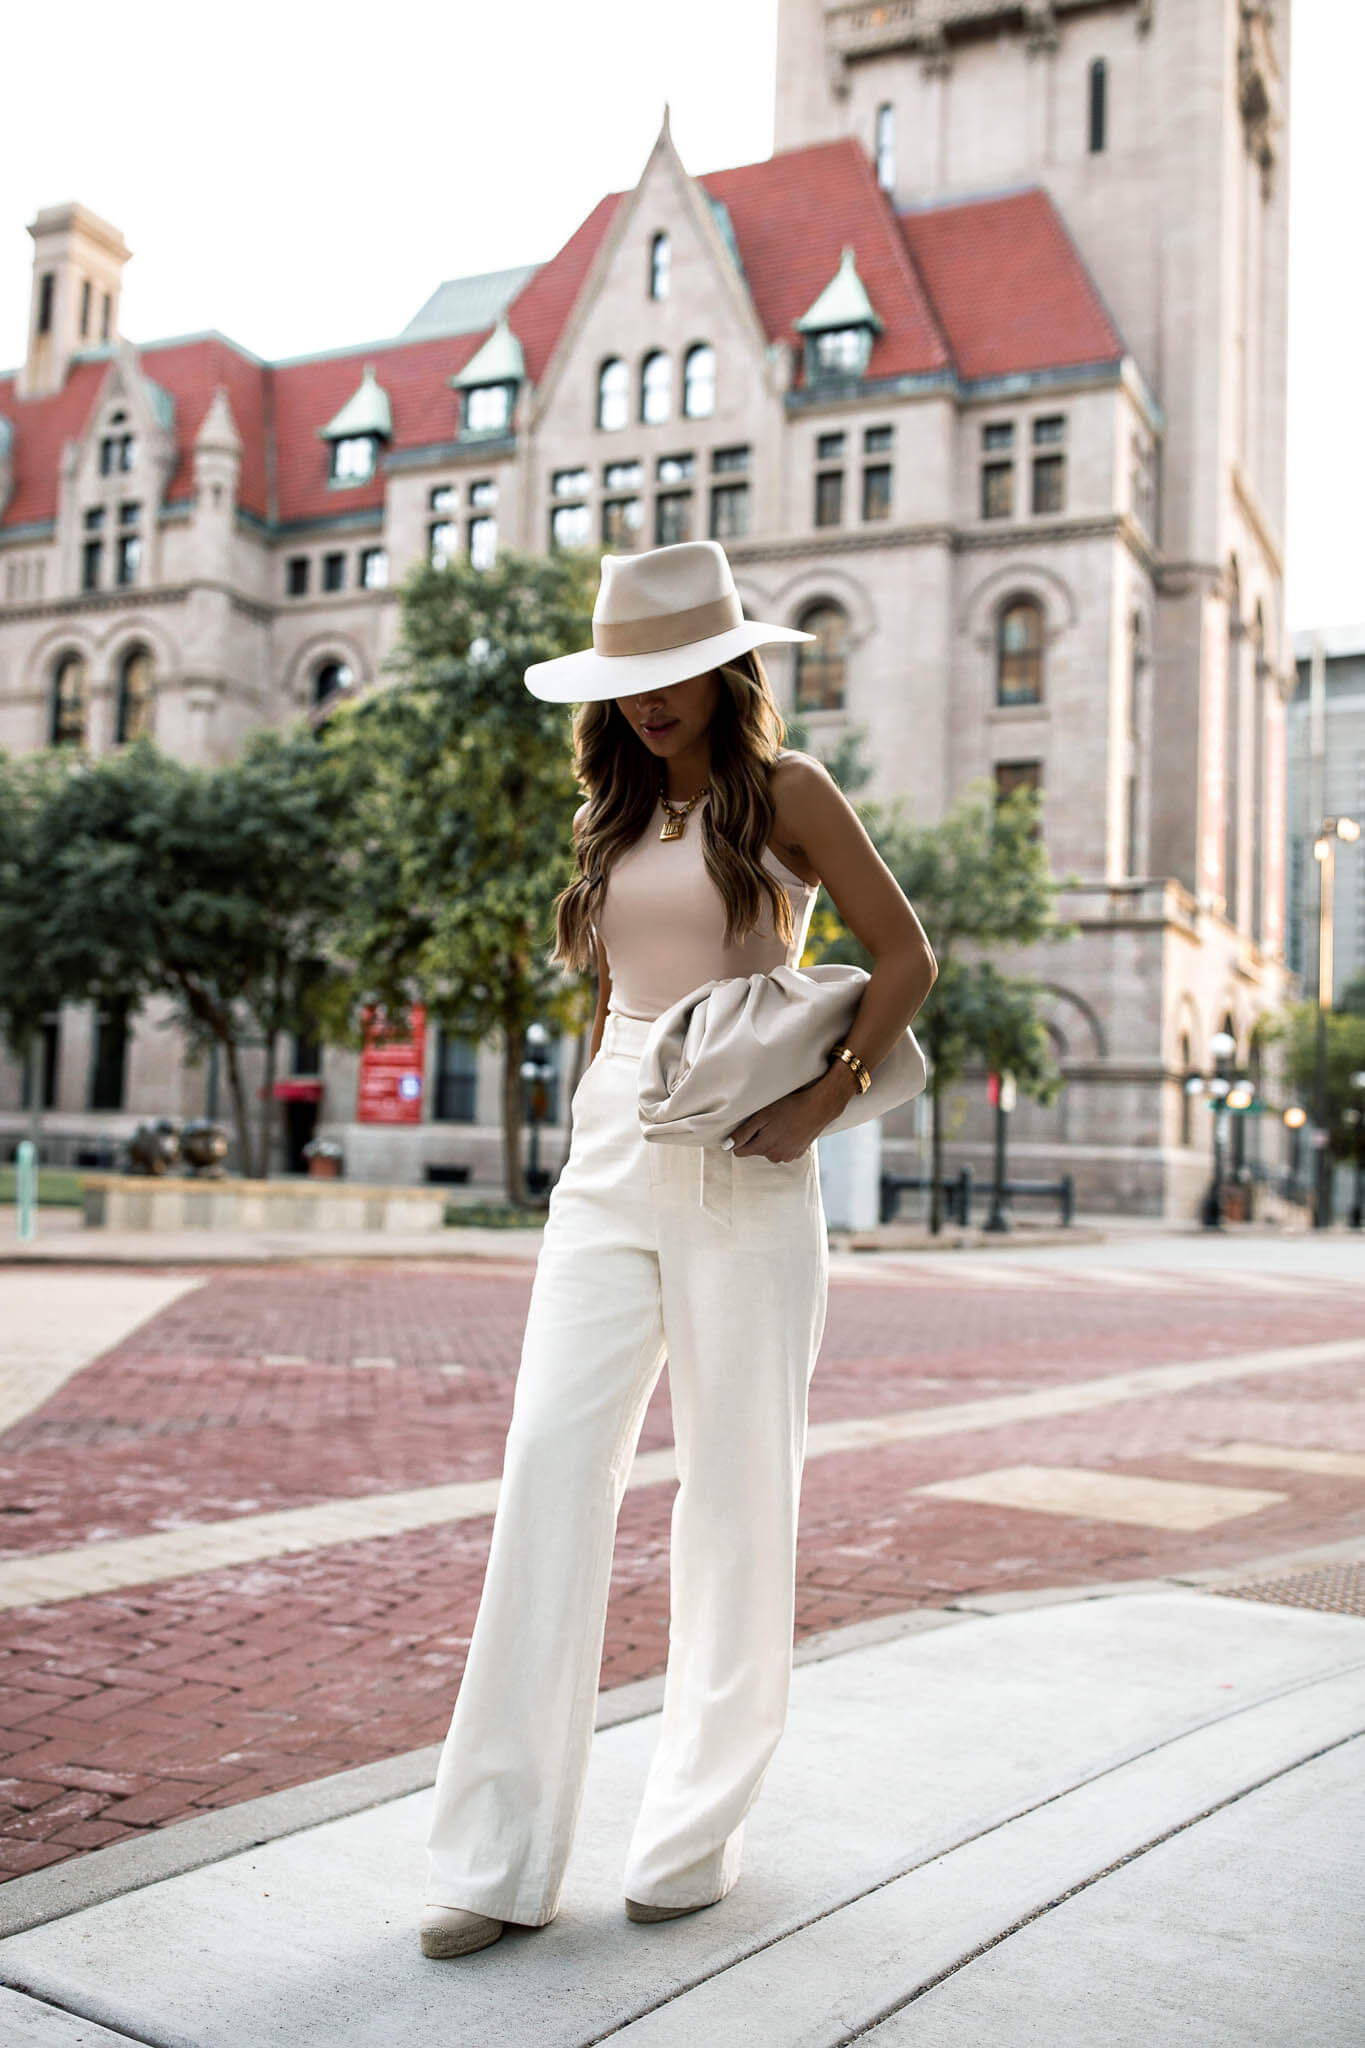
point(1295, 1117)
point(1324, 853)
point(1222, 1045)
point(536, 1070)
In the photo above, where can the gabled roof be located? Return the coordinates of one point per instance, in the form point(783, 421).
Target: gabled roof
point(1009, 286)
point(793, 213)
point(538, 312)
point(843, 302)
point(499, 361)
point(366, 411)
point(979, 289)
point(467, 305)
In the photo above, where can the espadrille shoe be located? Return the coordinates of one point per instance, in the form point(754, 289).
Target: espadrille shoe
point(451, 1931)
point(635, 1911)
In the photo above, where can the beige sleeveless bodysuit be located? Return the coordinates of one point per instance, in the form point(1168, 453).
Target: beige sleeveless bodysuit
point(663, 922)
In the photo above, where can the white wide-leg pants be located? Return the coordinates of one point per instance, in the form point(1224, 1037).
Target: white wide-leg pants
point(721, 1264)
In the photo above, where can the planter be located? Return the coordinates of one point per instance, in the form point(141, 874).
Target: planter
point(321, 1167)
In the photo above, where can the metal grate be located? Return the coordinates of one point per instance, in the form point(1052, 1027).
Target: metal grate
point(1330, 1588)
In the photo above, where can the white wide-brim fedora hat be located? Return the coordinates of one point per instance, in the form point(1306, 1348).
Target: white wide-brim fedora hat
point(659, 617)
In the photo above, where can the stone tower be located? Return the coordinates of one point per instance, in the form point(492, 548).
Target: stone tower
point(78, 264)
point(1158, 128)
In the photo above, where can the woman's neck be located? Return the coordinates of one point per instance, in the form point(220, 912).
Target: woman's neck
point(686, 775)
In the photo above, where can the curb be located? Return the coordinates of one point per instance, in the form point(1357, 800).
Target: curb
point(109, 1873)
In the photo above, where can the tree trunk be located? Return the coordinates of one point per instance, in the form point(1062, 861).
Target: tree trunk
point(268, 1105)
point(240, 1109)
point(511, 1114)
point(35, 1092)
point(935, 1161)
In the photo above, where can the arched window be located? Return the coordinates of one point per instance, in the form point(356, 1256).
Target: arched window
point(613, 395)
point(67, 727)
point(1019, 652)
point(822, 664)
point(660, 257)
point(135, 687)
point(329, 678)
point(699, 382)
point(1098, 108)
point(656, 388)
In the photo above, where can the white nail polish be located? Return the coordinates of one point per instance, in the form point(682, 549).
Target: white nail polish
point(727, 1143)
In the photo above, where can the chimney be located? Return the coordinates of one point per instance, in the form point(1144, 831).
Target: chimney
point(78, 264)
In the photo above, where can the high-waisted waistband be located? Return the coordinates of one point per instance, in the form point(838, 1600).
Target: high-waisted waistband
point(624, 1035)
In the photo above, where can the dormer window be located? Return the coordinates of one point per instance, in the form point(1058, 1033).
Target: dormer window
point(489, 383)
point(842, 351)
point(353, 459)
point(841, 328)
point(358, 430)
point(488, 409)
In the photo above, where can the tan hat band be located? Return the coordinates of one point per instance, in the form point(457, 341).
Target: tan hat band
point(668, 629)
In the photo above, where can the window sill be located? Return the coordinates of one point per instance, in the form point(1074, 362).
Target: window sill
point(1009, 714)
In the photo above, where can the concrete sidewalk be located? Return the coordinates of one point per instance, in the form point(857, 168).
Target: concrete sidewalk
point(64, 1240)
point(1120, 1814)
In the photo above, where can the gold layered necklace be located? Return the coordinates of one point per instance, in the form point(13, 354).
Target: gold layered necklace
point(677, 815)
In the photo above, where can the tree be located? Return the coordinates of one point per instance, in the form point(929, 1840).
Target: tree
point(216, 889)
point(32, 982)
point(1003, 1025)
point(461, 795)
point(1296, 1027)
point(980, 878)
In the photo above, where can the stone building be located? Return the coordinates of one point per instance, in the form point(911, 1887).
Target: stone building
point(1326, 779)
point(979, 378)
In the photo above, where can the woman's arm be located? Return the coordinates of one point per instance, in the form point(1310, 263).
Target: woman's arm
point(816, 818)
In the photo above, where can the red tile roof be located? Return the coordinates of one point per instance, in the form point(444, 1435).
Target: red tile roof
point(538, 313)
point(192, 371)
point(792, 216)
point(42, 427)
point(306, 395)
point(986, 287)
point(1009, 286)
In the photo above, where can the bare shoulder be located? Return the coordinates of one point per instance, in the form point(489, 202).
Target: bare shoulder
point(801, 788)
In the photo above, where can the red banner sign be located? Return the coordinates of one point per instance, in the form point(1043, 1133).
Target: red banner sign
point(389, 1090)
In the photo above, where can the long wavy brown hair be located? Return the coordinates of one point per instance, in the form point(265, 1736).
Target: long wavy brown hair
point(622, 787)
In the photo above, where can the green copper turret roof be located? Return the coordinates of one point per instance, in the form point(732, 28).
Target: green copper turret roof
point(843, 302)
point(499, 361)
point(366, 411)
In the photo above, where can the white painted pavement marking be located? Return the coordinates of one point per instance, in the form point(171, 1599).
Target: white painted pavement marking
point(1335, 1464)
point(54, 1324)
point(1105, 1496)
point(246, 1539)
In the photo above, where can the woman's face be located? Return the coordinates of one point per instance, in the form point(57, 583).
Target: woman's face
point(671, 720)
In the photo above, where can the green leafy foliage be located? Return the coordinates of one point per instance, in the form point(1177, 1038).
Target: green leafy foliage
point(460, 796)
point(979, 879)
point(137, 877)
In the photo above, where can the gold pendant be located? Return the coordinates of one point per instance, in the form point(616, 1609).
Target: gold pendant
point(673, 825)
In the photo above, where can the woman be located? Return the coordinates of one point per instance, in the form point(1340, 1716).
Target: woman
point(700, 850)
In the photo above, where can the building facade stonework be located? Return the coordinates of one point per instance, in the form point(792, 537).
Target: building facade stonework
point(980, 378)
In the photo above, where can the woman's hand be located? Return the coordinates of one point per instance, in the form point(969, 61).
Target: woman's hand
point(784, 1129)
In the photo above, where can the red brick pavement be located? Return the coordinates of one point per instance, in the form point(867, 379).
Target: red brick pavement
point(123, 1712)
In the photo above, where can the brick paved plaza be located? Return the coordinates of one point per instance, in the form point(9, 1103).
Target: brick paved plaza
point(242, 1546)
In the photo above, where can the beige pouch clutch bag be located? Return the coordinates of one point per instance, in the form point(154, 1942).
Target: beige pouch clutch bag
point(730, 1047)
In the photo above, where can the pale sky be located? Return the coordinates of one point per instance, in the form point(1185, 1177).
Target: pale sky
point(300, 176)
